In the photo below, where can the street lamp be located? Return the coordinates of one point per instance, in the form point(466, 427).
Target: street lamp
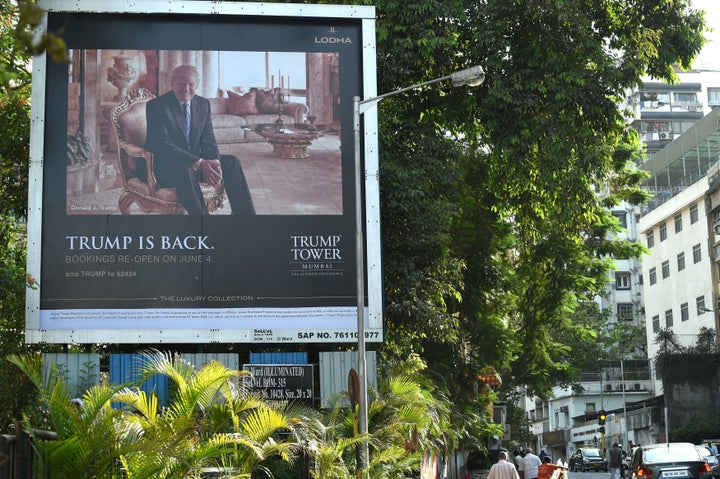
point(472, 76)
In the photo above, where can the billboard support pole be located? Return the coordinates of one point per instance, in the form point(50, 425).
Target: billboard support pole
point(472, 76)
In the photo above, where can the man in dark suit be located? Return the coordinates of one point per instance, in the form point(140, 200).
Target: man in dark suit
point(180, 136)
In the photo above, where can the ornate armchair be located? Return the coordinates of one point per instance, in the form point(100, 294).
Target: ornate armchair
point(136, 163)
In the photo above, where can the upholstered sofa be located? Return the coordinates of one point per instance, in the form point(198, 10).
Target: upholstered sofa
point(233, 114)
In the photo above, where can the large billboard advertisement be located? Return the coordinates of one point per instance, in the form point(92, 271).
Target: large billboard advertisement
point(193, 175)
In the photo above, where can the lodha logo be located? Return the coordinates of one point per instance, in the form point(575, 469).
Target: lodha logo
point(333, 38)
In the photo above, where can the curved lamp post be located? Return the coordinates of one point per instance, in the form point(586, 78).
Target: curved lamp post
point(472, 76)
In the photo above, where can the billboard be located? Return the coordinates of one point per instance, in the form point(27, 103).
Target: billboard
point(254, 240)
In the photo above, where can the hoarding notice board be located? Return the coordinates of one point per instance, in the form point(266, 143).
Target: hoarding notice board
point(281, 382)
point(109, 272)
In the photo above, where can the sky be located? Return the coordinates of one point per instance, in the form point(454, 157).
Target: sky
point(709, 58)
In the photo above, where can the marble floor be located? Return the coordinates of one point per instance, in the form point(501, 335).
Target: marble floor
point(278, 186)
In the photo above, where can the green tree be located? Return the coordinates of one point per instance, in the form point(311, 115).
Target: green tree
point(492, 230)
point(14, 160)
point(17, 394)
point(15, 115)
point(596, 339)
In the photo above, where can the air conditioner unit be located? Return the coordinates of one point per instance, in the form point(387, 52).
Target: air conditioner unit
point(637, 386)
point(619, 387)
point(664, 136)
point(608, 387)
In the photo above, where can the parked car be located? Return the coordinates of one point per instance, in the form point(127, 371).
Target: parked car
point(711, 459)
point(587, 458)
point(676, 460)
point(477, 464)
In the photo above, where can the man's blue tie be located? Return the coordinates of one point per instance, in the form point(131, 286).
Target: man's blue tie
point(186, 108)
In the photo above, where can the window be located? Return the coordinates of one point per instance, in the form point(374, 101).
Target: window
point(685, 99)
point(700, 305)
point(665, 269)
point(589, 406)
point(293, 64)
point(697, 253)
point(678, 222)
point(663, 232)
point(713, 96)
point(622, 280)
point(655, 130)
point(694, 214)
point(650, 239)
point(622, 218)
point(656, 324)
point(668, 318)
point(653, 276)
point(684, 312)
point(625, 311)
point(654, 99)
point(681, 261)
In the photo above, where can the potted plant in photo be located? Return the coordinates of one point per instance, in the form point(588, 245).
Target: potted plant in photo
point(82, 170)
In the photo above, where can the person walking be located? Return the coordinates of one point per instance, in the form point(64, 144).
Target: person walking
point(530, 464)
point(615, 461)
point(519, 464)
point(503, 469)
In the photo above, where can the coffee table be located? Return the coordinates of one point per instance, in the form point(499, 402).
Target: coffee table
point(288, 140)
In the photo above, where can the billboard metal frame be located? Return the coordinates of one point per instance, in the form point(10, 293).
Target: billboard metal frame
point(363, 17)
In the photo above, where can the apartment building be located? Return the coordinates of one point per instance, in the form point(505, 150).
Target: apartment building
point(680, 286)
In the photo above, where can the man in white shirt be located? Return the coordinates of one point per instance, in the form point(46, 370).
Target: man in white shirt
point(530, 464)
point(503, 469)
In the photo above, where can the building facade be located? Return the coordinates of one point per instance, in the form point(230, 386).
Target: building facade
point(680, 289)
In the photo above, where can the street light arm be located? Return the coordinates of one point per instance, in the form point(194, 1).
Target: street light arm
point(472, 76)
point(369, 102)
